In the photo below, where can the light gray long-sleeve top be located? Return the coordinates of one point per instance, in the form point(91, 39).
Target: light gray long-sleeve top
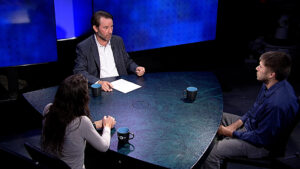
point(77, 133)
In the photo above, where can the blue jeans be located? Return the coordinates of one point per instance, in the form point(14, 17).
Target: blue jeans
point(231, 147)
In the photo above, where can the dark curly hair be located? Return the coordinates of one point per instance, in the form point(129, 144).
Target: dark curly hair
point(71, 101)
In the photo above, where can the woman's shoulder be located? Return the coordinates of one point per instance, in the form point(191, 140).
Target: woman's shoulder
point(86, 123)
point(86, 119)
point(46, 108)
point(82, 121)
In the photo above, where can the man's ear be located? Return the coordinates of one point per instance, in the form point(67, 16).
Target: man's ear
point(95, 28)
point(273, 75)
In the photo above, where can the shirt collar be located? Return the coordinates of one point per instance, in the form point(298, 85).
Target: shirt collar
point(98, 44)
point(272, 89)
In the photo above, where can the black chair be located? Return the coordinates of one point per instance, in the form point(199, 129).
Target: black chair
point(12, 159)
point(270, 161)
point(44, 160)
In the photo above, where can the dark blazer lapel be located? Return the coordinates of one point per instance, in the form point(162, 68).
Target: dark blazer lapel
point(95, 51)
point(115, 51)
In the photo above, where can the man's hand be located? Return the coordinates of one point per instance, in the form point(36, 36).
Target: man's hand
point(140, 71)
point(106, 86)
point(225, 131)
point(228, 130)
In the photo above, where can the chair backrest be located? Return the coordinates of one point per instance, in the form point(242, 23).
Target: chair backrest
point(13, 159)
point(44, 160)
point(279, 150)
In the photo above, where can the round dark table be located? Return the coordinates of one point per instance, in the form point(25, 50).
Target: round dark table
point(169, 131)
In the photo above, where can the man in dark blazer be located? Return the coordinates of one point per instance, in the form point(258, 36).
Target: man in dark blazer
point(103, 55)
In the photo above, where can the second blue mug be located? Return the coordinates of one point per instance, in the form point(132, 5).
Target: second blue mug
point(190, 94)
point(124, 135)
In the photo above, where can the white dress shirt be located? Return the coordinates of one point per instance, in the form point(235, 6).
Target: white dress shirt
point(107, 62)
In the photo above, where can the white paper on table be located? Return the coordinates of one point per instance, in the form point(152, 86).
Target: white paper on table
point(124, 85)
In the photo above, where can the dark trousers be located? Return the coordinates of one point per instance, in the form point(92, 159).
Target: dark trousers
point(231, 147)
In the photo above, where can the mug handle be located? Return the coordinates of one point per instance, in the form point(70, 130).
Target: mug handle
point(131, 135)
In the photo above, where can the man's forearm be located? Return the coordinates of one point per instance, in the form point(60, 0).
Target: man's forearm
point(236, 125)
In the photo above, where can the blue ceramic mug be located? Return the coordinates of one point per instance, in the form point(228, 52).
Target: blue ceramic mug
point(190, 93)
point(96, 89)
point(124, 135)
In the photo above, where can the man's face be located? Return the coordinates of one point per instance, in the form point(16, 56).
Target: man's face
point(263, 73)
point(105, 29)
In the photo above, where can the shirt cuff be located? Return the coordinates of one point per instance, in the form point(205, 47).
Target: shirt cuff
point(106, 129)
point(236, 134)
point(244, 118)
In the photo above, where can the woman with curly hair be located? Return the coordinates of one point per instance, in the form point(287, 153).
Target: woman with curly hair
point(67, 124)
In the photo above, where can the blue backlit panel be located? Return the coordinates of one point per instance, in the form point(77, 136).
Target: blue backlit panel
point(149, 24)
point(73, 18)
point(27, 32)
point(64, 15)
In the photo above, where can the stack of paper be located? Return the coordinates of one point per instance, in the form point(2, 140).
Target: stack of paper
point(124, 85)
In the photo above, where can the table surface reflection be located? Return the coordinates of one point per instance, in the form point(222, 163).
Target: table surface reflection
point(169, 132)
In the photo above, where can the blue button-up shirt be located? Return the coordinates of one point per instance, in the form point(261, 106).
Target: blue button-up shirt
point(273, 111)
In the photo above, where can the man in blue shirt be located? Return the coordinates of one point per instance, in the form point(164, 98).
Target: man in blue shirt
point(254, 134)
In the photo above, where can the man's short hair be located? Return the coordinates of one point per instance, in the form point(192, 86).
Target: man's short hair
point(97, 15)
point(278, 62)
